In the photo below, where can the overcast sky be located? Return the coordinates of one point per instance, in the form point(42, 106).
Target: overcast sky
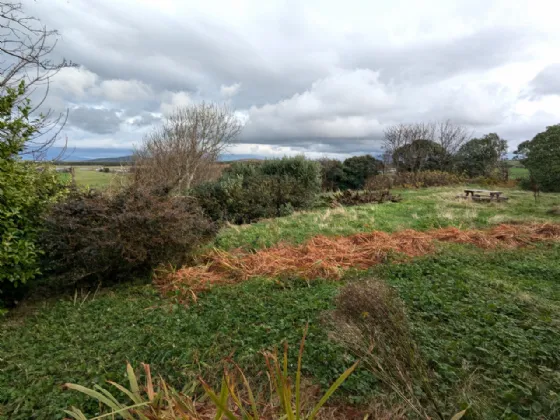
point(314, 76)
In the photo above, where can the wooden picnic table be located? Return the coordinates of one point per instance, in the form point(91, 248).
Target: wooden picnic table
point(493, 194)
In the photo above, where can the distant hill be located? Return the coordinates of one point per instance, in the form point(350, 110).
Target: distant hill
point(121, 159)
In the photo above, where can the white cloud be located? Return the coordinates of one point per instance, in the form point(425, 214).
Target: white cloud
point(124, 90)
point(73, 81)
point(229, 91)
point(174, 100)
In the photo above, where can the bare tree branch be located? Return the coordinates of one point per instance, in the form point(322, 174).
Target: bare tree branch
point(182, 151)
point(25, 49)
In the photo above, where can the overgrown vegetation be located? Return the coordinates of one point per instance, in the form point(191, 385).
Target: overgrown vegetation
point(542, 157)
point(235, 400)
point(467, 307)
point(350, 174)
point(250, 191)
point(25, 193)
point(109, 237)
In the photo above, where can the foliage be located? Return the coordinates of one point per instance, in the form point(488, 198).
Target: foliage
point(466, 308)
point(414, 179)
point(101, 236)
point(333, 176)
point(358, 169)
point(250, 191)
point(421, 155)
point(542, 158)
point(162, 401)
point(420, 209)
point(350, 174)
point(25, 192)
point(481, 157)
point(355, 198)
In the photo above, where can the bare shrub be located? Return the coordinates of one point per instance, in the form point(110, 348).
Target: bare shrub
point(183, 151)
point(370, 320)
point(101, 236)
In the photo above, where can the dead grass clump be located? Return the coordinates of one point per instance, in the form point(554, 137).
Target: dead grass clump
point(370, 320)
point(330, 257)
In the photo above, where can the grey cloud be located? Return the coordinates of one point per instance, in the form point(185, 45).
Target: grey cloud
point(547, 82)
point(436, 61)
point(301, 85)
point(95, 120)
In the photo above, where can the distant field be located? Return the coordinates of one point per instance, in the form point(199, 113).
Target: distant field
point(517, 170)
point(88, 177)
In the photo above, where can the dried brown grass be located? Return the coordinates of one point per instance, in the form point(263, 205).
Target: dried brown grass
point(330, 257)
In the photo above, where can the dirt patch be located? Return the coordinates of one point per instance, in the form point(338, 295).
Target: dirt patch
point(330, 257)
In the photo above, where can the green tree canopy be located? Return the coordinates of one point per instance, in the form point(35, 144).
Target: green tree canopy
point(421, 155)
point(481, 157)
point(541, 156)
point(358, 169)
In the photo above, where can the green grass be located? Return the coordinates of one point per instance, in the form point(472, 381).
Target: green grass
point(420, 209)
point(488, 322)
point(87, 176)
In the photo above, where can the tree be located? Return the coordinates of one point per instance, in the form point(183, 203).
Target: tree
point(447, 135)
point(25, 193)
point(541, 156)
point(481, 157)
point(421, 155)
point(332, 174)
point(178, 154)
point(26, 45)
point(358, 169)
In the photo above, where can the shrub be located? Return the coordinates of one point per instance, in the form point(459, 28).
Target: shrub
point(248, 191)
point(25, 192)
point(101, 236)
point(415, 179)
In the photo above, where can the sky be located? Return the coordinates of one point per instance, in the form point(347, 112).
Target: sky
point(319, 77)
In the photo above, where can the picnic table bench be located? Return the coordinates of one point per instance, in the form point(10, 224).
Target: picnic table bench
point(475, 195)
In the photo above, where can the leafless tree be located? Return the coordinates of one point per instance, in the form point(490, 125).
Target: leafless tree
point(183, 151)
point(446, 134)
point(451, 136)
point(25, 49)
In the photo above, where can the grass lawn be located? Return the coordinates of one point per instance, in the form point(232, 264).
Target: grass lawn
point(487, 322)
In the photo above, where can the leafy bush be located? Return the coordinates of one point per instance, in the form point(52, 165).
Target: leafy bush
point(350, 174)
point(415, 180)
point(542, 158)
point(25, 192)
point(97, 235)
point(250, 191)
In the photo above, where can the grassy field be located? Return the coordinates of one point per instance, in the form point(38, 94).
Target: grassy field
point(517, 170)
point(486, 321)
point(87, 176)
